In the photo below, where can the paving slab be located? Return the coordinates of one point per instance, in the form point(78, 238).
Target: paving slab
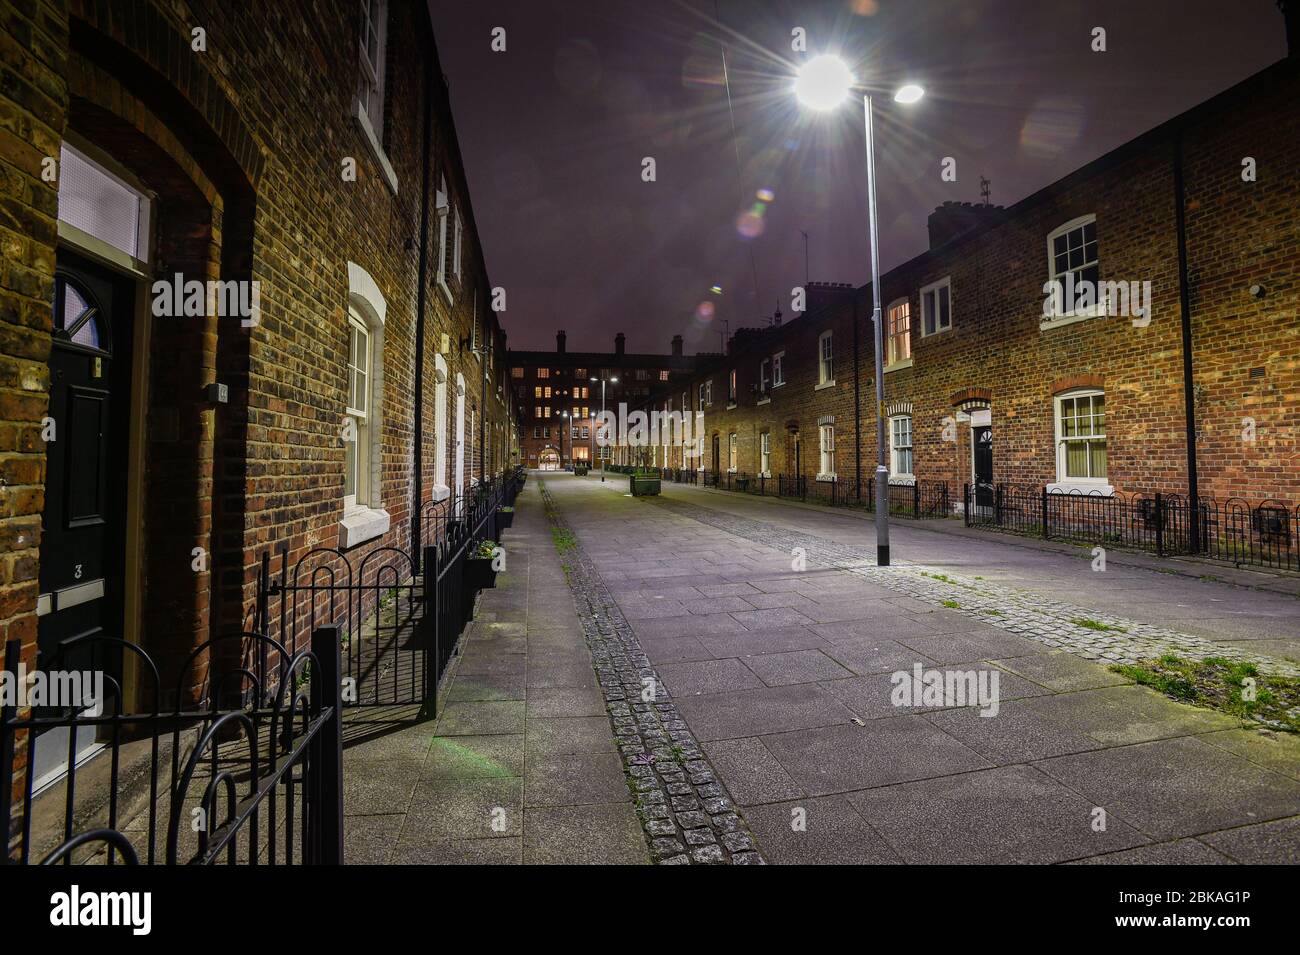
point(836, 759)
point(1177, 787)
point(1013, 814)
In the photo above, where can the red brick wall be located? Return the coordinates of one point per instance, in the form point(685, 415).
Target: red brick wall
point(244, 144)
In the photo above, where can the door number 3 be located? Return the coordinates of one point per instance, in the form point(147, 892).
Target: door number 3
point(76, 574)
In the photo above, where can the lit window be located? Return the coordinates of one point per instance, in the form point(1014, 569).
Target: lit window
point(516, 372)
point(537, 411)
point(543, 373)
point(546, 392)
point(936, 307)
point(98, 203)
point(826, 359)
point(826, 434)
point(899, 327)
point(537, 391)
point(765, 452)
point(900, 445)
point(731, 387)
point(731, 451)
point(1081, 436)
point(663, 375)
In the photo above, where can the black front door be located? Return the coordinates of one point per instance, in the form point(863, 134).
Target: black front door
point(717, 455)
point(982, 436)
point(83, 524)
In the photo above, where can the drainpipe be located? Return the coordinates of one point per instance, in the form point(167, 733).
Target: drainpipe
point(420, 314)
point(1184, 302)
point(857, 407)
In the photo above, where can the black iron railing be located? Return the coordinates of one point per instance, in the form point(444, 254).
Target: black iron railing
point(235, 752)
point(1266, 534)
point(201, 782)
point(917, 499)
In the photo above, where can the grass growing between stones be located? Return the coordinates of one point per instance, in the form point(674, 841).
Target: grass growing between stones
point(1229, 686)
point(1097, 625)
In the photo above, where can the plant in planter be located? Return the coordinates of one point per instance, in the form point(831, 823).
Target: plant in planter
point(505, 517)
point(479, 572)
point(644, 480)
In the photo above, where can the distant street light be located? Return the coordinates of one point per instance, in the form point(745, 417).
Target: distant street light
point(613, 381)
point(823, 83)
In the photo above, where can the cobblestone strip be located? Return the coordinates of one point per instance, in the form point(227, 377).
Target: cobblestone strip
point(1012, 610)
point(687, 815)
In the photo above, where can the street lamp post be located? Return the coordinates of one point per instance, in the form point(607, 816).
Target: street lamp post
point(602, 418)
point(822, 85)
point(565, 416)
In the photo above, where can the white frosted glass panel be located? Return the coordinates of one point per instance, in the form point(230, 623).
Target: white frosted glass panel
point(97, 203)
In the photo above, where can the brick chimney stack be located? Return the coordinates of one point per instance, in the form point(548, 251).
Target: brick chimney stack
point(953, 219)
point(677, 346)
point(618, 343)
point(559, 341)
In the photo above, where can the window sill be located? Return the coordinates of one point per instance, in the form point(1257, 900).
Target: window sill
point(763, 401)
point(766, 475)
point(902, 480)
point(440, 492)
point(368, 131)
point(827, 478)
point(777, 384)
point(730, 405)
point(1057, 321)
point(898, 365)
point(1093, 488)
point(936, 332)
point(442, 284)
point(361, 524)
point(824, 384)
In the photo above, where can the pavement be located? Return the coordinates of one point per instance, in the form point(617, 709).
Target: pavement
point(521, 764)
point(779, 649)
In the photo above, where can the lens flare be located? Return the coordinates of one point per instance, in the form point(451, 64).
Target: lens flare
point(823, 82)
point(704, 312)
point(750, 224)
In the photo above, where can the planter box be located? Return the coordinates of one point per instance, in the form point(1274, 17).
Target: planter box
point(505, 519)
point(479, 574)
point(644, 485)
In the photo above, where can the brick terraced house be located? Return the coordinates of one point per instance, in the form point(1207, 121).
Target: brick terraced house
point(153, 446)
point(547, 385)
point(988, 380)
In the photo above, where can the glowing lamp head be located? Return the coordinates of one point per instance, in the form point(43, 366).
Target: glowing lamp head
point(823, 83)
point(613, 381)
point(910, 93)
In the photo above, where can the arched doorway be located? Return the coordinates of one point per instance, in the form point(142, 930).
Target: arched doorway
point(549, 460)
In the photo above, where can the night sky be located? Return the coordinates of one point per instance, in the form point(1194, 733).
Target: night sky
point(553, 132)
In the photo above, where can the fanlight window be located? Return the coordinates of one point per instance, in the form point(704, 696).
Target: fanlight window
point(77, 319)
